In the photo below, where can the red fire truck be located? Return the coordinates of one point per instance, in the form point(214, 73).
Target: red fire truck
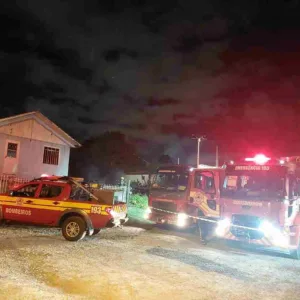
point(179, 191)
point(260, 202)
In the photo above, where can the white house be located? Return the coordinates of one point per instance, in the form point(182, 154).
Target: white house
point(32, 145)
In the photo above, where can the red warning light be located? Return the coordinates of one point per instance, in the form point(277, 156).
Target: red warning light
point(259, 159)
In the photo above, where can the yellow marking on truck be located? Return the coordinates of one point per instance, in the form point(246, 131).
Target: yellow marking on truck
point(47, 204)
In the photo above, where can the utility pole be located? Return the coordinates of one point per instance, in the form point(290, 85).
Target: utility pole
point(199, 140)
point(217, 156)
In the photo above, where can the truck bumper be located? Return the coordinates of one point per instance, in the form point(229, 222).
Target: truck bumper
point(116, 222)
point(171, 219)
point(282, 242)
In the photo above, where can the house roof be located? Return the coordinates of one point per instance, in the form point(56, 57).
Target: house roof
point(44, 121)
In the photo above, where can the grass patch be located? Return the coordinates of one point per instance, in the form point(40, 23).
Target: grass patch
point(138, 200)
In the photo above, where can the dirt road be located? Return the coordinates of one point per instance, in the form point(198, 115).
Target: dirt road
point(138, 263)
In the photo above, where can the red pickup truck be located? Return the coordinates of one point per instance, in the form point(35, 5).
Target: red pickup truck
point(63, 202)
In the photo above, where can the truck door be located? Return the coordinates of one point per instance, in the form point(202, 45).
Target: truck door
point(49, 203)
point(19, 205)
point(205, 192)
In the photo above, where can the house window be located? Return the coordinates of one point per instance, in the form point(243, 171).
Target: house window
point(51, 156)
point(12, 149)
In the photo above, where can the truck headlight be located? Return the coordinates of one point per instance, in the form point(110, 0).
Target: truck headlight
point(181, 219)
point(147, 213)
point(275, 234)
point(113, 213)
point(222, 226)
point(266, 227)
point(269, 229)
point(224, 223)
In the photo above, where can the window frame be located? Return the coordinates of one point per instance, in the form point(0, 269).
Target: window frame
point(6, 149)
point(26, 185)
point(50, 184)
point(72, 197)
point(197, 173)
point(58, 158)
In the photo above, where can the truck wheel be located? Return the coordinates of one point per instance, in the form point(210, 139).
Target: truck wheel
point(74, 229)
point(295, 253)
point(96, 231)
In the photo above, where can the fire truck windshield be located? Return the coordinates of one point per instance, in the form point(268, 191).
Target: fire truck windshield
point(254, 183)
point(171, 181)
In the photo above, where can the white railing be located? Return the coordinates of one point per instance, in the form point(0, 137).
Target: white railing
point(113, 187)
point(7, 182)
point(120, 191)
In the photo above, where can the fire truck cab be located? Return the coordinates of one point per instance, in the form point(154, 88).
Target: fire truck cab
point(179, 191)
point(260, 201)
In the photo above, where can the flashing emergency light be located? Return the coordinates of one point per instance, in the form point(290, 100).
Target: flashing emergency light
point(259, 159)
point(44, 175)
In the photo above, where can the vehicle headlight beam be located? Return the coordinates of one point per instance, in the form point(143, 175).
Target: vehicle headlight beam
point(222, 226)
point(182, 219)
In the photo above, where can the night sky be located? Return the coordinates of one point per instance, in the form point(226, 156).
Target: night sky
point(158, 71)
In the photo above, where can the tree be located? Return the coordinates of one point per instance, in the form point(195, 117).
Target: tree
point(103, 155)
point(165, 159)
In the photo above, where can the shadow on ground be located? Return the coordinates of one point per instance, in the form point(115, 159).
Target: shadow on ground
point(198, 262)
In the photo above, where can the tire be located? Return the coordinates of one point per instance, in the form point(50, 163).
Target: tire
point(74, 229)
point(295, 253)
point(96, 231)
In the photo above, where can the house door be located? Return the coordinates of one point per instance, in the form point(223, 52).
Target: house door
point(11, 157)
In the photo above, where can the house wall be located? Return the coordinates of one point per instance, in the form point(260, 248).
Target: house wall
point(31, 153)
point(31, 129)
point(136, 177)
point(2, 151)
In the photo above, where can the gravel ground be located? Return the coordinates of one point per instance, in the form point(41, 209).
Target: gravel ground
point(138, 263)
